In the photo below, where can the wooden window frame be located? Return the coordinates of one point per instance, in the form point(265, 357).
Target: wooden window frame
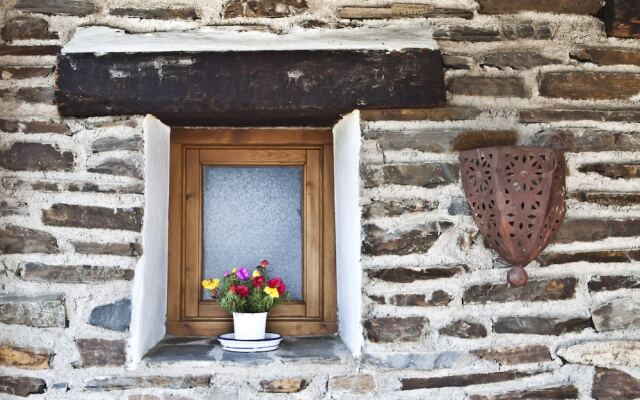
point(194, 148)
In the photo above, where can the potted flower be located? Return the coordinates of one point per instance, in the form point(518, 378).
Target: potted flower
point(249, 296)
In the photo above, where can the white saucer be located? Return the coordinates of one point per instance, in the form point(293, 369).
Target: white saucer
point(270, 342)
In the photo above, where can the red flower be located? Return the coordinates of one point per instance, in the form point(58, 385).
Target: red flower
point(242, 291)
point(232, 289)
point(258, 281)
point(264, 263)
point(278, 284)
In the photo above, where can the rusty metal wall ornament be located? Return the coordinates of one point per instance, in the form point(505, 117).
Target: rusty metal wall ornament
point(516, 195)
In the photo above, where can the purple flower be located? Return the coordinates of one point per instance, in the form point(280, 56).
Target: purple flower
point(226, 273)
point(242, 274)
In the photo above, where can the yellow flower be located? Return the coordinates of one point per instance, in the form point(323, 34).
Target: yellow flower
point(211, 284)
point(233, 271)
point(256, 274)
point(272, 292)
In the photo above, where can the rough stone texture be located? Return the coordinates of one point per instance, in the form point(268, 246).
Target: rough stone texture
point(50, 50)
point(613, 282)
point(36, 157)
point(613, 171)
point(485, 86)
point(149, 381)
point(112, 143)
point(390, 329)
point(291, 385)
point(535, 30)
point(22, 28)
point(20, 240)
point(522, 59)
point(417, 239)
point(549, 115)
point(538, 290)
point(554, 393)
point(462, 380)
point(266, 8)
point(112, 249)
point(23, 73)
point(352, 384)
point(53, 7)
point(446, 141)
point(22, 386)
point(438, 298)
point(119, 167)
point(156, 13)
point(588, 85)
point(550, 6)
point(592, 256)
point(607, 55)
point(402, 10)
point(576, 140)
point(34, 95)
point(14, 126)
point(395, 208)
point(41, 311)
point(464, 329)
point(603, 354)
point(515, 355)
point(38, 272)
point(586, 230)
point(621, 18)
point(617, 314)
point(23, 358)
point(91, 217)
point(611, 384)
point(101, 352)
point(540, 325)
point(450, 113)
point(425, 175)
point(115, 316)
point(407, 275)
point(465, 33)
point(608, 199)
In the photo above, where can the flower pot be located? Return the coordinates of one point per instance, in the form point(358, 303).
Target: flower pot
point(249, 326)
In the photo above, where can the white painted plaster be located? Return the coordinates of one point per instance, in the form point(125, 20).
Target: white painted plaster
point(346, 148)
point(101, 40)
point(149, 299)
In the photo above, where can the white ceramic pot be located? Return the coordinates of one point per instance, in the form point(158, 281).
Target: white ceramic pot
point(249, 326)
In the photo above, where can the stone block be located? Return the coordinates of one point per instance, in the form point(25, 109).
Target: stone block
point(540, 325)
point(402, 10)
point(616, 353)
point(49, 50)
point(602, 55)
point(403, 241)
point(568, 392)
point(23, 358)
point(613, 171)
point(535, 290)
point(408, 275)
point(24, 73)
point(605, 256)
point(15, 126)
point(449, 113)
point(263, 9)
point(113, 143)
point(608, 198)
point(39, 272)
point(36, 157)
point(155, 13)
point(611, 384)
point(20, 240)
point(39, 311)
point(464, 330)
point(392, 329)
point(586, 230)
point(622, 18)
point(394, 208)
point(463, 380)
point(552, 115)
point(585, 85)
point(22, 386)
point(577, 140)
point(112, 249)
point(91, 217)
point(548, 6)
point(78, 8)
point(422, 175)
point(352, 383)
point(123, 382)
point(506, 86)
point(517, 59)
point(524, 354)
point(613, 282)
point(464, 33)
point(290, 385)
point(101, 352)
point(114, 316)
point(117, 166)
point(616, 314)
point(24, 28)
point(438, 298)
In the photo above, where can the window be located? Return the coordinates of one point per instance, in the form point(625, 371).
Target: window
point(238, 196)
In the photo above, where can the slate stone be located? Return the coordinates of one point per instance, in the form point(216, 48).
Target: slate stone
point(112, 143)
point(549, 6)
point(605, 256)
point(459, 206)
point(585, 85)
point(523, 59)
point(524, 354)
point(290, 385)
point(53, 185)
point(12, 206)
point(392, 329)
point(15, 126)
point(464, 329)
point(169, 353)
point(552, 115)
point(313, 349)
point(444, 141)
point(361, 383)
point(114, 316)
point(39, 272)
point(611, 384)
point(117, 166)
point(36, 157)
point(24, 28)
point(463, 33)
point(616, 314)
point(569, 392)
point(148, 381)
point(438, 298)
point(454, 61)
point(540, 325)
point(613, 171)
point(23, 73)
point(613, 282)
point(535, 290)
point(578, 140)
point(487, 86)
point(534, 30)
point(112, 249)
point(422, 175)
point(463, 380)
point(403, 241)
point(22, 386)
point(48, 50)
point(602, 55)
point(23, 358)
point(262, 9)
point(417, 360)
point(156, 13)
point(603, 353)
point(608, 199)
point(92, 217)
point(78, 8)
point(448, 113)
point(35, 95)
point(20, 240)
point(394, 208)
point(402, 10)
point(586, 230)
point(407, 275)
point(101, 352)
point(39, 311)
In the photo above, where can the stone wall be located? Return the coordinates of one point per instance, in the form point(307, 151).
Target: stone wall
point(439, 320)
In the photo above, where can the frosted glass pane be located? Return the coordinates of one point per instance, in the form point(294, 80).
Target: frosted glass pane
point(251, 214)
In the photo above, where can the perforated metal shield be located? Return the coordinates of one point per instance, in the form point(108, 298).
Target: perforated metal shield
point(516, 195)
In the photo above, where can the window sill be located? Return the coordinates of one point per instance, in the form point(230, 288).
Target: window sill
point(315, 349)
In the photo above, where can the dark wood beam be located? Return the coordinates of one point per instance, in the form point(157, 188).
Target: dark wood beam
point(250, 88)
point(622, 18)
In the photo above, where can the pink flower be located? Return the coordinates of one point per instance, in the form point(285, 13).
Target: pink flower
point(243, 274)
point(264, 263)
